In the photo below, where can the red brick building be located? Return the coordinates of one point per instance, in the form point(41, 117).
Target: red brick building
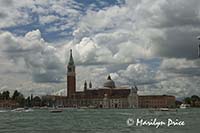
point(156, 101)
point(8, 104)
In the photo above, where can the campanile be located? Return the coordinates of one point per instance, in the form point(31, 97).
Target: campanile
point(71, 77)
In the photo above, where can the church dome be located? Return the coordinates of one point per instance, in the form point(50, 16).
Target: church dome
point(109, 83)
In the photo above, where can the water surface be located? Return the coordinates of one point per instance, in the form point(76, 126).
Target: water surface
point(96, 121)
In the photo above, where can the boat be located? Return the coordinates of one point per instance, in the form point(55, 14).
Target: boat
point(44, 107)
point(184, 106)
point(92, 107)
point(163, 109)
point(17, 110)
point(167, 109)
point(28, 110)
point(55, 110)
point(83, 107)
point(22, 110)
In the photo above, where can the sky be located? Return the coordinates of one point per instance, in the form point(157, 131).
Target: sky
point(152, 44)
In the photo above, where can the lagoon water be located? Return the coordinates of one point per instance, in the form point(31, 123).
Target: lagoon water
point(97, 121)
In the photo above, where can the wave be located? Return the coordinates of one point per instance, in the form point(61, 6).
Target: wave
point(125, 113)
point(2, 111)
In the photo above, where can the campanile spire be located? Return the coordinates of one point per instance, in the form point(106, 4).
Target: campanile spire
point(71, 60)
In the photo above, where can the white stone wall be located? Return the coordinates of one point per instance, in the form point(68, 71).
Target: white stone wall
point(133, 100)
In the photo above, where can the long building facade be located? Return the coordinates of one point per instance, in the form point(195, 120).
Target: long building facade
point(108, 96)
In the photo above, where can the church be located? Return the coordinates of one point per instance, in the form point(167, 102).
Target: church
point(108, 96)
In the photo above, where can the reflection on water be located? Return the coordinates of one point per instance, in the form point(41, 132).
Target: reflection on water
point(94, 120)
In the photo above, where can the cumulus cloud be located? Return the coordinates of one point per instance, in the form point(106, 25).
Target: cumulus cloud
point(123, 40)
point(8, 18)
point(89, 52)
point(61, 14)
point(182, 67)
point(160, 28)
point(38, 56)
point(179, 77)
point(48, 19)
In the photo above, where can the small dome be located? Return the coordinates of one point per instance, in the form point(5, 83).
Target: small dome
point(109, 83)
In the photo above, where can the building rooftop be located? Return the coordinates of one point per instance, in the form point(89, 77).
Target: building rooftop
point(109, 83)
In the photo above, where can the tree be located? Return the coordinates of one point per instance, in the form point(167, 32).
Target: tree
point(37, 101)
point(194, 98)
point(187, 100)
point(15, 95)
point(31, 100)
point(1, 98)
point(28, 101)
point(6, 95)
point(44, 102)
point(19, 98)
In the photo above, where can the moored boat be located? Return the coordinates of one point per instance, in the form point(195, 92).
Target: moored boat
point(184, 106)
point(55, 110)
point(163, 109)
point(22, 110)
point(167, 109)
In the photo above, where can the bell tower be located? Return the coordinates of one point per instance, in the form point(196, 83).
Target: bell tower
point(71, 77)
